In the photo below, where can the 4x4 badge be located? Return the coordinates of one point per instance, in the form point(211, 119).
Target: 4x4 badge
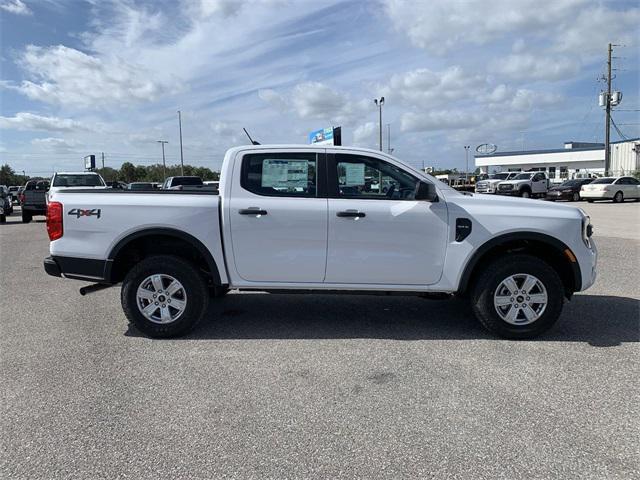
point(80, 212)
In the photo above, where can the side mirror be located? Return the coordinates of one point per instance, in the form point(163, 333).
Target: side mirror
point(427, 191)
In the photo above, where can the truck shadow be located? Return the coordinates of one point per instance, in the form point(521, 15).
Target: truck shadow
point(602, 321)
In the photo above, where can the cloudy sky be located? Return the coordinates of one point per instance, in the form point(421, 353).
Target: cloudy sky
point(80, 77)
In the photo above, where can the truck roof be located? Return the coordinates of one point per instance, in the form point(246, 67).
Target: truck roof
point(76, 173)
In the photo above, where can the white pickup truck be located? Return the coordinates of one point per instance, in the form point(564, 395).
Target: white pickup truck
point(312, 219)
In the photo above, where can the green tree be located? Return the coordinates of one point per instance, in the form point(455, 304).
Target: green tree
point(127, 172)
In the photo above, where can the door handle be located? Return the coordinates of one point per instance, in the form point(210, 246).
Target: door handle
point(252, 211)
point(351, 214)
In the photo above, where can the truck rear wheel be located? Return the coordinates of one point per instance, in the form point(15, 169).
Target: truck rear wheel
point(164, 296)
point(26, 217)
point(517, 297)
point(3, 218)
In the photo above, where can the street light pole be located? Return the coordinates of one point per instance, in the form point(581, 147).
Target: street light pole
point(466, 154)
point(164, 165)
point(181, 156)
point(379, 103)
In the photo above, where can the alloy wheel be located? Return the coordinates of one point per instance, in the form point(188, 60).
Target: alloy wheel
point(520, 299)
point(161, 298)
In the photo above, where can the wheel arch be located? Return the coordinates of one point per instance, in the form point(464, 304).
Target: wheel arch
point(156, 240)
point(553, 251)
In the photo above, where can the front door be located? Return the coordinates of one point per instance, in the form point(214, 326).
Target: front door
point(378, 234)
point(539, 183)
point(278, 217)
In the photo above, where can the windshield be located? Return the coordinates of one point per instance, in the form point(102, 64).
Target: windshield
point(77, 180)
point(603, 180)
point(499, 176)
point(523, 176)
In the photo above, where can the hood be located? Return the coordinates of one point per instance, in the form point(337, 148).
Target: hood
point(499, 205)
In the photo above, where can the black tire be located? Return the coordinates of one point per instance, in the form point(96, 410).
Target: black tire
point(482, 294)
point(590, 200)
point(618, 197)
point(525, 193)
point(187, 274)
point(26, 217)
point(3, 218)
point(575, 197)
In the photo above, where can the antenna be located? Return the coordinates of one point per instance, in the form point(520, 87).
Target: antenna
point(253, 142)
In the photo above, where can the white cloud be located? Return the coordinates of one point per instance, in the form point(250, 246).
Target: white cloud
point(66, 76)
point(440, 25)
point(30, 121)
point(439, 120)
point(17, 7)
point(365, 135)
point(316, 100)
point(55, 145)
point(542, 66)
point(428, 89)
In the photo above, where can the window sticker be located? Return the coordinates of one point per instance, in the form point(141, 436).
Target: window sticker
point(354, 174)
point(285, 173)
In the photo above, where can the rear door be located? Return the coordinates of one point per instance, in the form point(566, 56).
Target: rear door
point(378, 234)
point(278, 216)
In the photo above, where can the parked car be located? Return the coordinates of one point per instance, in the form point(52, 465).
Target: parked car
point(77, 180)
point(34, 200)
point(490, 184)
point(173, 182)
point(280, 223)
point(525, 185)
point(5, 203)
point(611, 188)
point(141, 186)
point(569, 190)
point(13, 191)
point(5, 200)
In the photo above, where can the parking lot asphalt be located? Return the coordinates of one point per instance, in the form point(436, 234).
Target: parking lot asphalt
point(294, 386)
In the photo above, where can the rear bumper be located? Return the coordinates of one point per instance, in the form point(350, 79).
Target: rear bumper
point(596, 194)
point(35, 209)
point(78, 268)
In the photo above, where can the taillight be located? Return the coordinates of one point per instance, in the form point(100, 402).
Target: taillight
point(54, 220)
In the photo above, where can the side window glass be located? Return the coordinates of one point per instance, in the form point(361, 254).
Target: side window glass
point(280, 174)
point(371, 178)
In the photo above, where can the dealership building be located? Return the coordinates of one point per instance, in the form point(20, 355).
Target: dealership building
point(576, 159)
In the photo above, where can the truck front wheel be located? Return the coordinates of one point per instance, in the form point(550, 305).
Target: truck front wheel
point(525, 193)
point(517, 297)
point(164, 296)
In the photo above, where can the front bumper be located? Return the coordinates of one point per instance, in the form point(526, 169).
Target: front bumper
point(558, 195)
point(485, 190)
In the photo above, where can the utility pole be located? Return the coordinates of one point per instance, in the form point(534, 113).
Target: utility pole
point(389, 149)
point(164, 165)
point(607, 129)
point(466, 154)
point(102, 160)
point(181, 156)
point(379, 103)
